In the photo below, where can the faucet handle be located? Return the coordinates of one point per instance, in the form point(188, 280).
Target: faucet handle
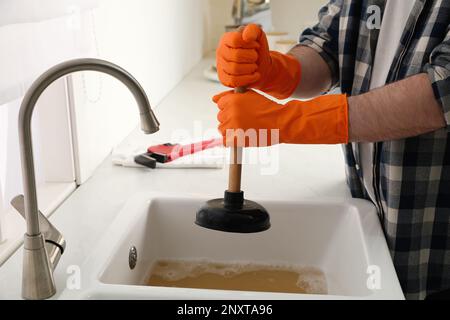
point(55, 243)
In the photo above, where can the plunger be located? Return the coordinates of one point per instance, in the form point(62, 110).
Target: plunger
point(233, 213)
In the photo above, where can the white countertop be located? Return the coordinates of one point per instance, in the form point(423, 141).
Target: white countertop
point(305, 172)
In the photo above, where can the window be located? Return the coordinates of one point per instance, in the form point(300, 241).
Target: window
point(34, 37)
point(81, 118)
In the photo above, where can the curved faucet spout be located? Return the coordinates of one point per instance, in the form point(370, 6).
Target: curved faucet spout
point(34, 285)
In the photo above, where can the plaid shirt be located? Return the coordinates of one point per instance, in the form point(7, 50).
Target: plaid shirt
point(411, 176)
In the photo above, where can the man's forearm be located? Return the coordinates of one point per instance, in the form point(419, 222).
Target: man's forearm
point(316, 75)
point(400, 110)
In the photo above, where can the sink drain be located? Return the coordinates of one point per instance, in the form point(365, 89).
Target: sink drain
point(132, 257)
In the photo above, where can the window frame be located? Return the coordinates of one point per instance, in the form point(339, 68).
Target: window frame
point(54, 159)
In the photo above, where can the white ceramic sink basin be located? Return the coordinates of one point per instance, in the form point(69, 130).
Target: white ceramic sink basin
point(343, 239)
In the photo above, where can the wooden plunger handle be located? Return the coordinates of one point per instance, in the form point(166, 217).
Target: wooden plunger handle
point(234, 179)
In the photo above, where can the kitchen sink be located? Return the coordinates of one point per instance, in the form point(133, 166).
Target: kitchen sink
point(344, 239)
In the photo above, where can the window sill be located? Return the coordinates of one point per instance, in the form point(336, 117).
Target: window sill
point(50, 197)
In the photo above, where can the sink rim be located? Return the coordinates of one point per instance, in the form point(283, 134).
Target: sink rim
point(100, 259)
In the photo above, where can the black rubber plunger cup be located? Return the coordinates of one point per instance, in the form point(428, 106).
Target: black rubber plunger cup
point(233, 213)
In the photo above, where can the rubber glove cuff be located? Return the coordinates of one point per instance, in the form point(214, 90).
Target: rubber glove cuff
point(283, 78)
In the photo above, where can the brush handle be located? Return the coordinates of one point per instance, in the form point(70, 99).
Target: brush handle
point(234, 179)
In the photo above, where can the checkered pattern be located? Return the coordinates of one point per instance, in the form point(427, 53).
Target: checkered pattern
point(411, 176)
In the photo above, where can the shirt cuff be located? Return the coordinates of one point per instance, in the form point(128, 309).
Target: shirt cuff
point(440, 82)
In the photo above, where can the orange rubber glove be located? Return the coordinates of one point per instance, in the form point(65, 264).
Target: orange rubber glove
point(323, 120)
point(244, 60)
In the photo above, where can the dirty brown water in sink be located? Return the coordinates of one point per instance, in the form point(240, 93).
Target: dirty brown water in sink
point(239, 277)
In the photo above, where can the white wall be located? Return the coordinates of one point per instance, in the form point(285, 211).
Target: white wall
point(220, 15)
point(294, 16)
point(156, 41)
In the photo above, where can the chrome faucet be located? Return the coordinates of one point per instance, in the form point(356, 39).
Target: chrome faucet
point(43, 243)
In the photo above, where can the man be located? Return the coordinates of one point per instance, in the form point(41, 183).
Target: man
point(393, 114)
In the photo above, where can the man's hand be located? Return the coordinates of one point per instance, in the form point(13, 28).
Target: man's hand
point(250, 112)
point(323, 120)
point(244, 60)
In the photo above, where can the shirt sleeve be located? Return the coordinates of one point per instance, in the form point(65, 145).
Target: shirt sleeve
point(324, 37)
point(438, 70)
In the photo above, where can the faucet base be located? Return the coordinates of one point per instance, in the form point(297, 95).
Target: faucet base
point(37, 273)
